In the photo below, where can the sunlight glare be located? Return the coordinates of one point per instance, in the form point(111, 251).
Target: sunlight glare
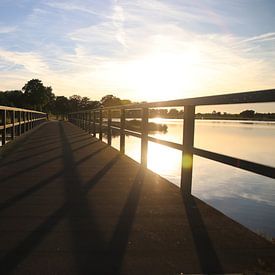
point(161, 76)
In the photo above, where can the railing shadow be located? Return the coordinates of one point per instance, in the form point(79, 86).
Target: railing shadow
point(29, 156)
point(119, 241)
point(206, 253)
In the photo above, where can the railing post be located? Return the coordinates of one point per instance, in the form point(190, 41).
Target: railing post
point(187, 155)
point(13, 125)
point(4, 130)
point(90, 120)
point(94, 124)
point(19, 125)
point(100, 124)
point(32, 122)
point(144, 137)
point(24, 119)
point(122, 131)
point(109, 127)
point(86, 122)
point(28, 121)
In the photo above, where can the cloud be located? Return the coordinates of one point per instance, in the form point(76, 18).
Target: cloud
point(31, 61)
point(7, 29)
point(261, 38)
point(75, 6)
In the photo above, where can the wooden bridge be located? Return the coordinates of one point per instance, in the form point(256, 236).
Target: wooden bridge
point(71, 204)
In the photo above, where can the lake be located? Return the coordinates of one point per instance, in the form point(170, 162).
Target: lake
point(244, 196)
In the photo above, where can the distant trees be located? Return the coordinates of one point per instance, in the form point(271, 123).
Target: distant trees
point(110, 100)
point(166, 113)
point(247, 113)
point(34, 95)
point(13, 98)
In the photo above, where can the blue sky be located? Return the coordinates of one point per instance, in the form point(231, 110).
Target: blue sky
point(141, 50)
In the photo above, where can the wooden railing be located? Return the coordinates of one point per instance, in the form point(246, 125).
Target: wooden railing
point(16, 121)
point(92, 121)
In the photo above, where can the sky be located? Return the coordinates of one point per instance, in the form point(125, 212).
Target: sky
point(143, 50)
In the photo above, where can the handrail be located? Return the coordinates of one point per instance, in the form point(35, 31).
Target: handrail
point(261, 96)
point(89, 121)
point(8, 108)
point(18, 121)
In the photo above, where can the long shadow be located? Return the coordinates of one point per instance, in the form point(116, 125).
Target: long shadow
point(33, 167)
point(40, 144)
point(30, 168)
point(119, 241)
point(88, 241)
point(45, 182)
point(44, 152)
point(207, 256)
point(89, 237)
point(11, 260)
point(88, 185)
point(28, 157)
point(11, 201)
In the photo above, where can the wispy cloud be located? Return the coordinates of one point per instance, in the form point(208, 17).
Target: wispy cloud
point(261, 38)
point(80, 6)
point(7, 29)
point(31, 61)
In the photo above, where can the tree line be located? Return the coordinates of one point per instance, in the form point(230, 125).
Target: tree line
point(34, 95)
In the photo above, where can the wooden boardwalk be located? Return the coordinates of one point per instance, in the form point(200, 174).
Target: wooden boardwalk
point(70, 204)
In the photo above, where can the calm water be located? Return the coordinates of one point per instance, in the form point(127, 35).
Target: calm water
point(246, 197)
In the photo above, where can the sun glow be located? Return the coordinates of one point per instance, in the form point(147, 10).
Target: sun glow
point(162, 76)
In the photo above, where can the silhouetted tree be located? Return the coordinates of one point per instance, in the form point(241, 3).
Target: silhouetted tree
point(75, 103)
point(62, 105)
point(36, 94)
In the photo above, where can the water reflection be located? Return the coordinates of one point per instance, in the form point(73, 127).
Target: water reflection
point(244, 196)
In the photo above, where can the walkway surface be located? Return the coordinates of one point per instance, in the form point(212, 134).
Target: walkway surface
point(70, 204)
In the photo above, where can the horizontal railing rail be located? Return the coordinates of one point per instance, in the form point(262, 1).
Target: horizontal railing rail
point(16, 121)
point(93, 122)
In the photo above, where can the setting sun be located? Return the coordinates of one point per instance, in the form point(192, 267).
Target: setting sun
point(163, 75)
